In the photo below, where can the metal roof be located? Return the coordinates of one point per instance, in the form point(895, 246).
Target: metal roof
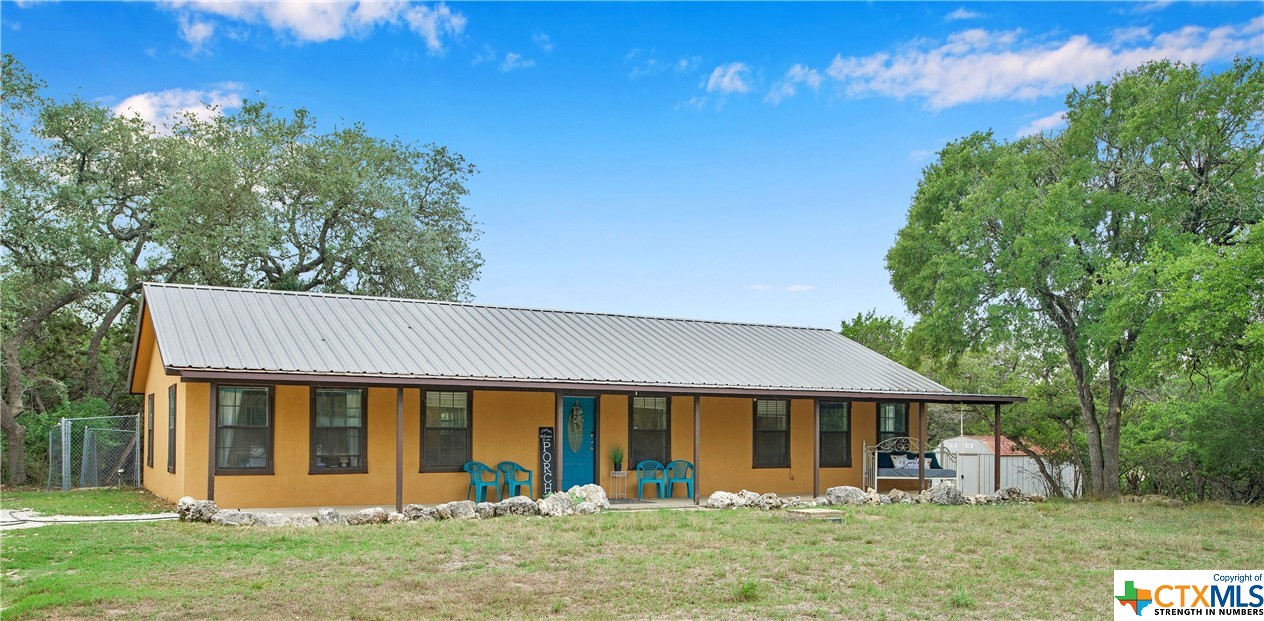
point(213, 329)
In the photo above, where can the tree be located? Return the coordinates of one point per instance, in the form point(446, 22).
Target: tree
point(96, 204)
point(1060, 239)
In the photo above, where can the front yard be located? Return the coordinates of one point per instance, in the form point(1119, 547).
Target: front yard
point(1042, 561)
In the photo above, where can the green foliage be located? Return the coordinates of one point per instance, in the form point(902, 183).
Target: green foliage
point(617, 453)
point(95, 204)
point(1199, 441)
point(883, 334)
point(1123, 244)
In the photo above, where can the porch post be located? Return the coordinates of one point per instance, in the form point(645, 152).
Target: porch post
point(399, 449)
point(557, 442)
point(816, 448)
point(210, 443)
point(921, 441)
point(996, 452)
point(697, 433)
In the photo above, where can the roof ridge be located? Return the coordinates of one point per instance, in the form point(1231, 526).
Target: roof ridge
point(489, 306)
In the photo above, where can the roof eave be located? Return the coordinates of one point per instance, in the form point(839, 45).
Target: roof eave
point(413, 381)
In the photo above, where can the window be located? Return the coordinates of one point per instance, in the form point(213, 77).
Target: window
point(835, 434)
point(338, 430)
point(243, 440)
point(892, 421)
point(649, 435)
point(445, 432)
point(171, 428)
point(149, 441)
point(772, 433)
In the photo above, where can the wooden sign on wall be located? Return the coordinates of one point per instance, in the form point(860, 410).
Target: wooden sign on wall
point(546, 461)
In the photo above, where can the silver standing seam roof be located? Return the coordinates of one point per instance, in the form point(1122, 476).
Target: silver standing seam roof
point(204, 332)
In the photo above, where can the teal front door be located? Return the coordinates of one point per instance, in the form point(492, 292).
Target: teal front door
point(579, 441)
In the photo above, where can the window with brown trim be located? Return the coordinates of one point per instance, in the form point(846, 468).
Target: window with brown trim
point(446, 431)
point(149, 439)
point(339, 422)
point(649, 430)
point(243, 440)
point(772, 433)
point(835, 434)
point(171, 428)
point(892, 421)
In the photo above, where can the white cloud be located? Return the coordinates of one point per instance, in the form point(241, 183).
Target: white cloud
point(514, 61)
point(1043, 124)
point(799, 288)
point(759, 287)
point(487, 55)
point(962, 13)
point(1129, 35)
point(920, 155)
point(195, 32)
point(307, 22)
point(981, 65)
point(162, 107)
point(730, 78)
point(1150, 7)
point(546, 44)
point(652, 65)
point(697, 102)
point(788, 86)
point(434, 24)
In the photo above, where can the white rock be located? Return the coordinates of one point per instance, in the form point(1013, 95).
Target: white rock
point(846, 495)
point(593, 493)
point(722, 500)
point(555, 505)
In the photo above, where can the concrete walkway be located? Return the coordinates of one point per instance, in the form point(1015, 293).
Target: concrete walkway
point(26, 518)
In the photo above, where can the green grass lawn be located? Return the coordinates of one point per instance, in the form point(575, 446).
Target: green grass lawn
point(1044, 561)
point(102, 501)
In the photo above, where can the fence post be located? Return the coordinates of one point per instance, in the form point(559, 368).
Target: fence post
point(66, 428)
point(136, 451)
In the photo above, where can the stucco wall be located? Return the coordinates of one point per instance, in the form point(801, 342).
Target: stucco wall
point(505, 427)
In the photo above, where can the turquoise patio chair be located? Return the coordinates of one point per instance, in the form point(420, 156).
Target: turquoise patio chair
point(478, 484)
point(679, 471)
point(649, 472)
point(509, 478)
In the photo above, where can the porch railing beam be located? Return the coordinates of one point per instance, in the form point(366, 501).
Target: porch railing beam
point(697, 434)
point(921, 442)
point(996, 450)
point(399, 449)
point(816, 448)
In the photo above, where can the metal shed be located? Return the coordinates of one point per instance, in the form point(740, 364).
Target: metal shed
point(975, 467)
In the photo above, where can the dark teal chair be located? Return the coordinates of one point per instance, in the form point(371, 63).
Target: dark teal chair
point(478, 482)
point(650, 472)
point(679, 471)
point(509, 478)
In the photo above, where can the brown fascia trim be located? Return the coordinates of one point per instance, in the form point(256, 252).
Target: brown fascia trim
point(552, 386)
point(131, 367)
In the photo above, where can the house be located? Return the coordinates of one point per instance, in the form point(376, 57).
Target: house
point(274, 398)
point(976, 467)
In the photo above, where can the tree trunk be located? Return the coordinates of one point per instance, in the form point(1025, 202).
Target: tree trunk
point(1110, 439)
point(91, 365)
point(1054, 483)
point(1092, 429)
point(15, 433)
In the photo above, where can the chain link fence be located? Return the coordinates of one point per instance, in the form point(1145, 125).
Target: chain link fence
point(100, 451)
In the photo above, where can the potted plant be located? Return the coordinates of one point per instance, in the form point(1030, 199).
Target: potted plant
point(616, 456)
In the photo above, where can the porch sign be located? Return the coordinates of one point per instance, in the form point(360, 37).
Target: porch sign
point(546, 461)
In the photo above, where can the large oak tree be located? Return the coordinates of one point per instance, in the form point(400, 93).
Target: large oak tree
point(97, 203)
point(1103, 240)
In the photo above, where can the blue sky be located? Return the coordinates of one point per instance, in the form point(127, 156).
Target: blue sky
point(747, 162)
